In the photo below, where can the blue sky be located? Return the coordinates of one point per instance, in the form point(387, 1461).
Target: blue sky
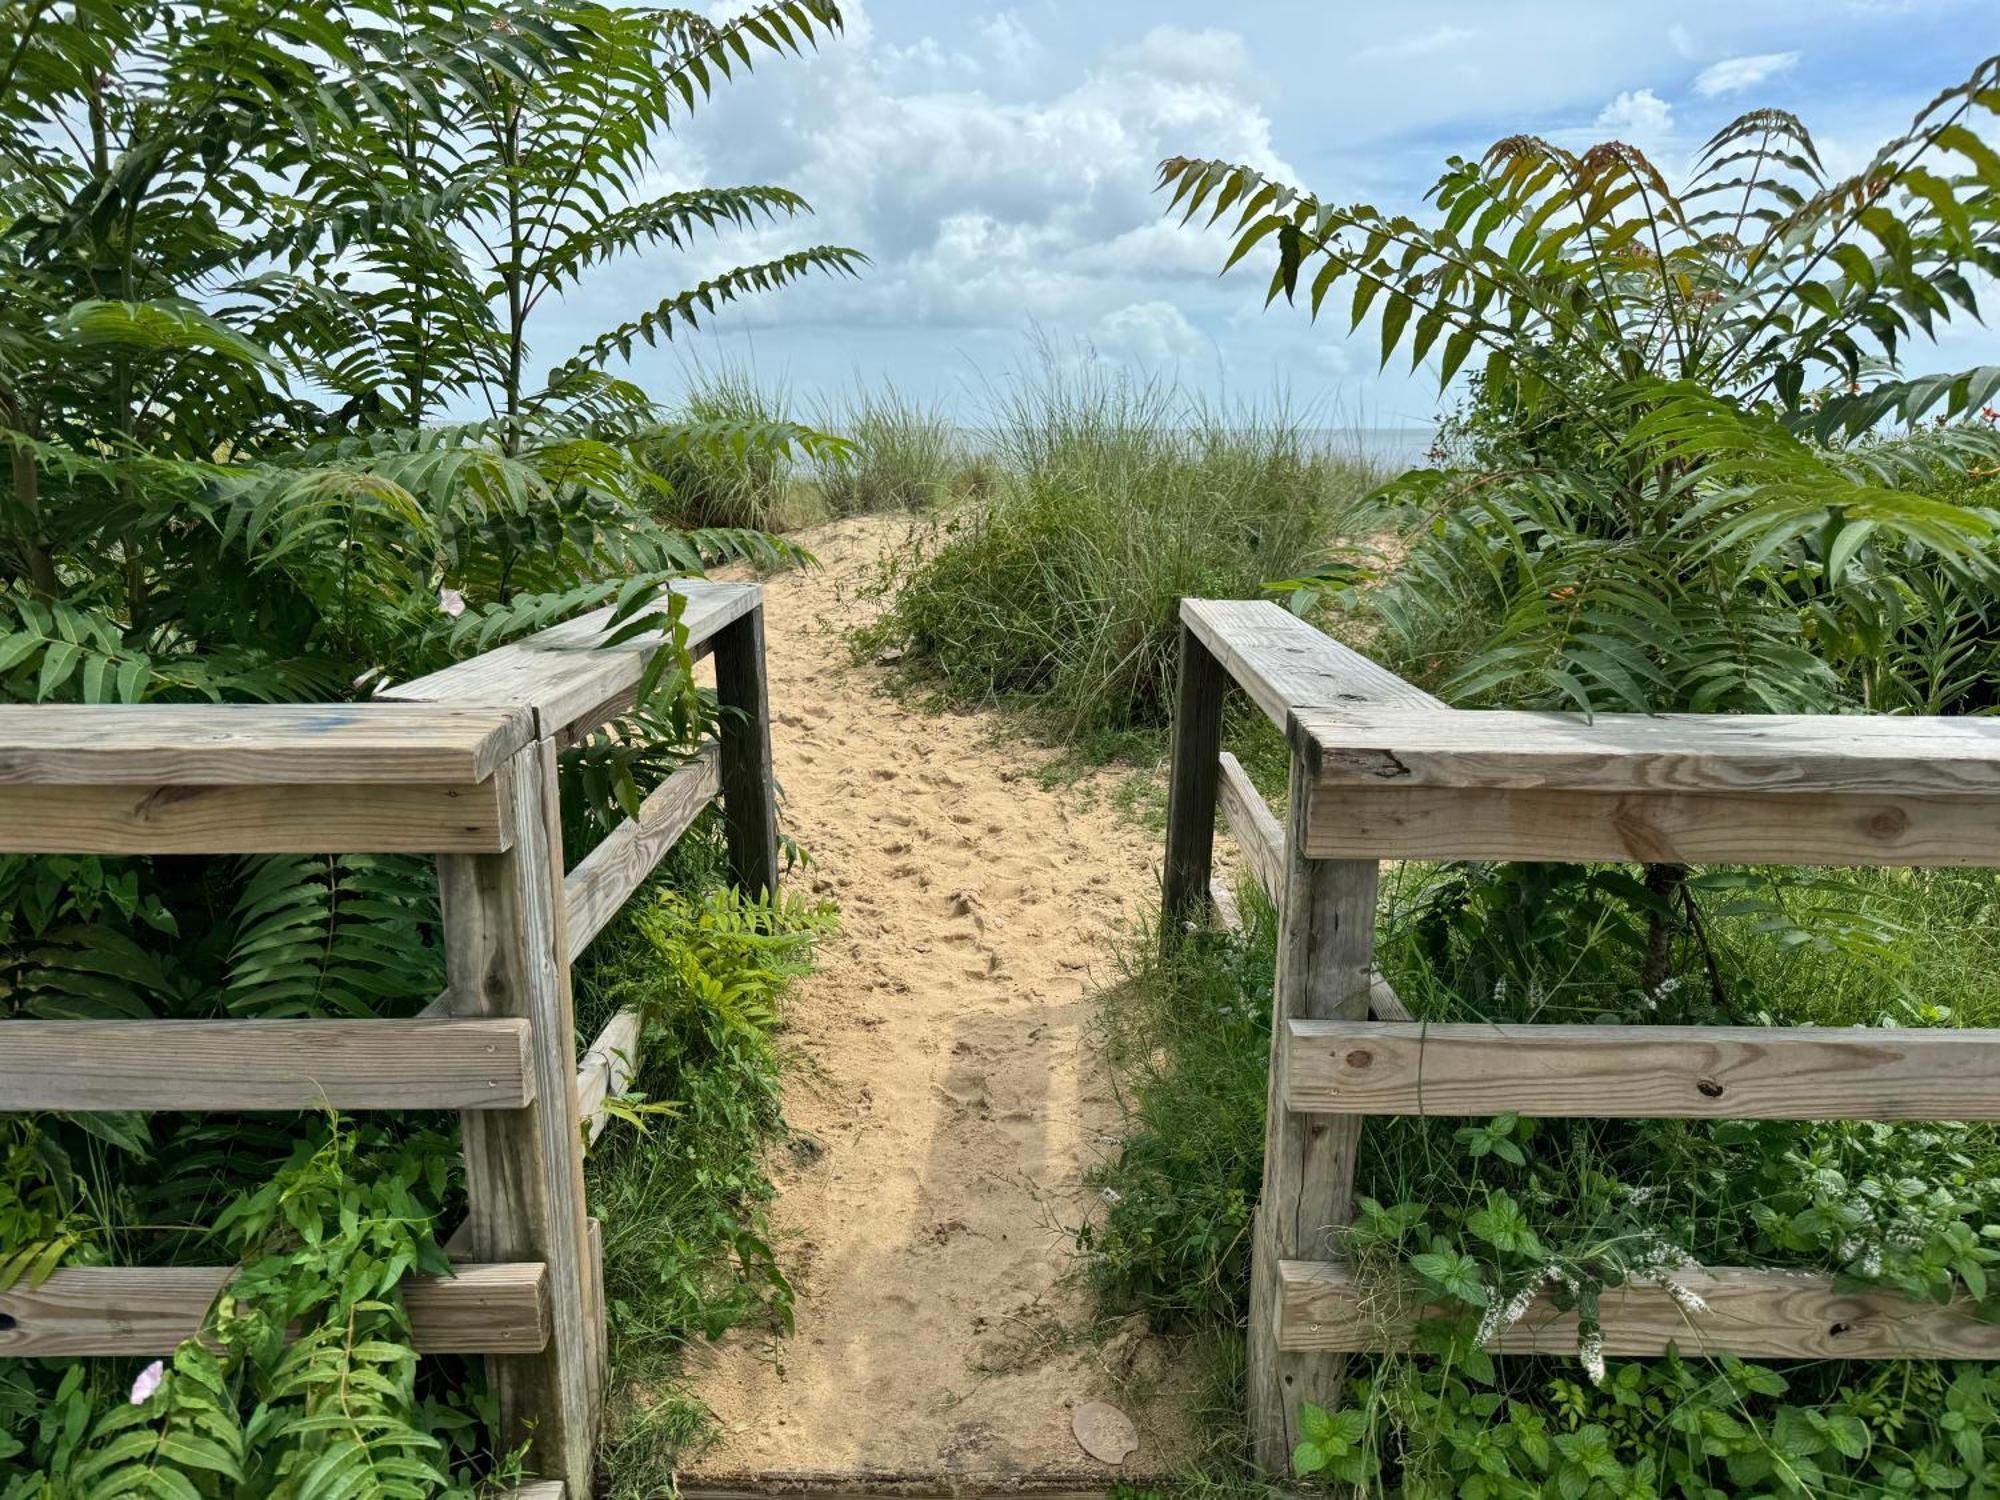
point(997, 163)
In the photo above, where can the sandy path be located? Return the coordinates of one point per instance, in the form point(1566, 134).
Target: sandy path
point(943, 1072)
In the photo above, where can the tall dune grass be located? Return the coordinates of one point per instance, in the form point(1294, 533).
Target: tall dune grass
point(906, 457)
point(753, 486)
point(1112, 500)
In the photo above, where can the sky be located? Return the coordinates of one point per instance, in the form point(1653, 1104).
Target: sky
point(997, 163)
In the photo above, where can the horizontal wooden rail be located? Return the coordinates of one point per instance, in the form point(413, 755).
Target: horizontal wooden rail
point(1391, 783)
point(93, 1066)
point(607, 1068)
point(1253, 827)
point(1391, 822)
point(606, 877)
point(1869, 755)
point(1283, 663)
point(1642, 1072)
point(180, 744)
point(106, 1310)
point(1751, 1313)
point(322, 818)
point(571, 680)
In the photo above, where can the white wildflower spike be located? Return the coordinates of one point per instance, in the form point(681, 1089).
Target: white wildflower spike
point(1592, 1355)
point(148, 1382)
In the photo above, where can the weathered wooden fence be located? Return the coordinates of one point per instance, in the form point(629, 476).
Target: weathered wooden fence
point(1381, 770)
point(462, 765)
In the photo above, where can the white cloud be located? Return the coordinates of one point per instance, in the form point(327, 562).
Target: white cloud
point(986, 213)
point(1734, 74)
point(1637, 112)
point(1009, 41)
point(997, 160)
point(1423, 44)
point(1210, 56)
point(1150, 334)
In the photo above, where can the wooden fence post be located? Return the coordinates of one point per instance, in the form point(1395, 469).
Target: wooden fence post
point(1191, 791)
point(749, 798)
point(506, 953)
point(1326, 944)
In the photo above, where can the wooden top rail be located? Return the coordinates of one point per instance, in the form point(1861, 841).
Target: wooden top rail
point(249, 778)
point(1394, 774)
point(249, 744)
point(409, 772)
point(1284, 664)
point(566, 675)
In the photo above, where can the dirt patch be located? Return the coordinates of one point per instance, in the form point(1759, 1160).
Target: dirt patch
point(944, 1096)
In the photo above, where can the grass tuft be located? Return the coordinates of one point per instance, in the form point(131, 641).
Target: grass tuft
point(907, 457)
point(1112, 501)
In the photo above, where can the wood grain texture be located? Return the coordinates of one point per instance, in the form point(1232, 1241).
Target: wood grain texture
point(548, 1489)
point(247, 744)
point(1384, 1004)
point(1222, 902)
point(605, 878)
point(1326, 941)
point(1875, 755)
point(566, 675)
point(1284, 664)
point(95, 1066)
point(1752, 1313)
point(749, 792)
point(1191, 788)
point(105, 1310)
point(606, 1068)
point(506, 952)
point(1253, 827)
point(1794, 828)
point(1643, 1072)
point(422, 818)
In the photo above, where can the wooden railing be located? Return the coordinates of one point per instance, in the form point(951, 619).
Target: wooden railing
point(1381, 770)
point(462, 765)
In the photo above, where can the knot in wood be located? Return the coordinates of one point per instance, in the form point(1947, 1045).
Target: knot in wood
point(1360, 1057)
point(1708, 1088)
point(1887, 823)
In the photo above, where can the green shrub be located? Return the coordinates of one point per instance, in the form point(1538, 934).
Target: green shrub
point(233, 419)
point(906, 457)
point(1468, 1216)
point(1114, 501)
point(1684, 470)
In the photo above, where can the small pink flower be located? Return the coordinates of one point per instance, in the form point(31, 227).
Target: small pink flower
point(452, 602)
point(148, 1382)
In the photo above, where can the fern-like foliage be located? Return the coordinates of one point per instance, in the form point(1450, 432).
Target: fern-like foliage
point(319, 935)
point(1670, 489)
point(256, 264)
point(730, 957)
